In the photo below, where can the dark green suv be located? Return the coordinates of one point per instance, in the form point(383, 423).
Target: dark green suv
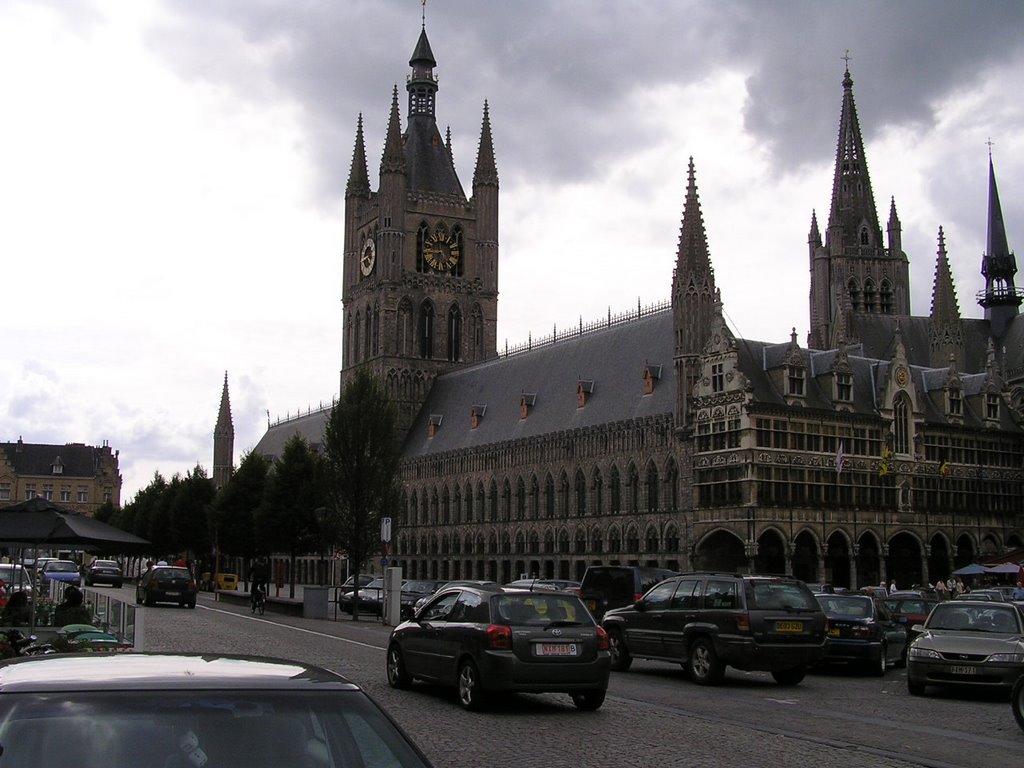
point(708, 621)
point(610, 586)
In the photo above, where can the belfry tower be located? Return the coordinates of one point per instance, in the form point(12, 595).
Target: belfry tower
point(1000, 298)
point(420, 284)
point(853, 263)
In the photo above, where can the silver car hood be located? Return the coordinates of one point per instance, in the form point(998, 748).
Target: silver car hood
point(950, 641)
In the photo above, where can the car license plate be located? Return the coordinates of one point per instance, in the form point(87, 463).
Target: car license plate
point(833, 632)
point(591, 605)
point(556, 649)
point(963, 670)
point(789, 626)
point(171, 594)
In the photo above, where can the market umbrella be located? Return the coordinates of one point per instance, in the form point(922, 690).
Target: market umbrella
point(41, 523)
point(1003, 568)
point(970, 570)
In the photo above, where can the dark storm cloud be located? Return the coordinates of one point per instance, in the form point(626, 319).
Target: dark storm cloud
point(558, 74)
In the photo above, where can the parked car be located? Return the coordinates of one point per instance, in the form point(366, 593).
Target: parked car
point(370, 598)
point(483, 640)
point(708, 621)
point(1017, 701)
point(190, 710)
point(821, 588)
point(862, 631)
point(166, 584)
point(65, 571)
point(15, 578)
point(968, 643)
point(983, 594)
point(104, 572)
point(910, 612)
point(612, 586)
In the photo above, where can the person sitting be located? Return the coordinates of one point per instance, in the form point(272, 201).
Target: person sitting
point(71, 611)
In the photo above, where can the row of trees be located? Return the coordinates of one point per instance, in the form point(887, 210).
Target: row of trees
point(306, 501)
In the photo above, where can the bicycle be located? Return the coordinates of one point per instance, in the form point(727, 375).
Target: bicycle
point(259, 600)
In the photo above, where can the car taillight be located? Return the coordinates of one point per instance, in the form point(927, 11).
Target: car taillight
point(192, 585)
point(861, 631)
point(743, 623)
point(499, 637)
point(637, 596)
point(602, 639)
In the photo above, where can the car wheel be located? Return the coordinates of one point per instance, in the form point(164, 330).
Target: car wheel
point(397, 676)
point(588, 701)
point(620, 658)
point(877, 667)
point(118, 585)
point(149, 601)
point(1017, 701)
point(915, 688)
point(791, 676)
point(705, 667)
point(88, 583)
point(192, 604)
point(471, 693)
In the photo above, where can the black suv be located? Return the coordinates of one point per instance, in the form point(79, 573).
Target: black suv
point(707, 621)
point(609, 586)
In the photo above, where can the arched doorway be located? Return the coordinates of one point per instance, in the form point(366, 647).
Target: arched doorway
point(720, 551)
point(938, 559)
point(869, 561)
point(965, 551)
point(771, 553)
point(837, 560)
point(805, 557)
point(904, 563)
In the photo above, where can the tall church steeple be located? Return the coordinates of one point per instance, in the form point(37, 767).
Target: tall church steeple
point(420, 290)
point(223, 440)
point(945, 332)
point(693, 297)
point(874, 279)
point(1000, 297)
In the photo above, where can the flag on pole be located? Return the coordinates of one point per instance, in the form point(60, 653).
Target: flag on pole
point(840, 458)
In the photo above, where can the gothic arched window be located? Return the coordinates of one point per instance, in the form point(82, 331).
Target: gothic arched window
point(460, 244)
point(869, 296)
point(616, 484)
point(581, 493)
point(901, 424)
point(421, 241)
point(476, 333)
point(652, 487)
point(854, 292)
point(405, 332)
point(454, 334)
point(885, 298)
point(426, 330)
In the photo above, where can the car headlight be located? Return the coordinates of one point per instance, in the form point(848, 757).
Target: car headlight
point(923, 653)
point(1012, 658)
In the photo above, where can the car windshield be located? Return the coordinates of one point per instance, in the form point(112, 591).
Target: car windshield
point(9, 576)
point(780, 595)
point(540, 609)
point(852, 606)
point(974, 618)
point(235, 729)
point(63, 566)
point(918, 607)
point(420, 587)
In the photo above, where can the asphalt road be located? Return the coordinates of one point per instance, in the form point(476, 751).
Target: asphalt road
point(653, 715)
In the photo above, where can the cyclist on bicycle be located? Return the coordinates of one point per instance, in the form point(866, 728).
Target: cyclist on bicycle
point(260, 577)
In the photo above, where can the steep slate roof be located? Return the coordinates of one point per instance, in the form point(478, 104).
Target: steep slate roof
point(78, 459)
point(428, 165)
point(613, 358)
point(311, 426)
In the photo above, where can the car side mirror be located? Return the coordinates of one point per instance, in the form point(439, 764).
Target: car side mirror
point(918, 627)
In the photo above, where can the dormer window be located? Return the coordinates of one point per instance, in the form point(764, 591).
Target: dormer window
point(57, 468)
point(844, 387)
point(433, 424)
point(526, 401)
point(584, 389)
point(795, 381)
point(955, 402)
point(652, 373)
point(992, 406)
point(476, 413)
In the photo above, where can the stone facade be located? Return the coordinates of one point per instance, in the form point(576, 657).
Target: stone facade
point(77, 476)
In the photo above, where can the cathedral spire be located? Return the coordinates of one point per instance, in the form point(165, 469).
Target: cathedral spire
point(393, 160)
point(852, 216)
point(1000, 297)
point(358, 177)
point(422, 85)
point(486, 171)
point(692, 255)
point(223, 440)
point(945, 308)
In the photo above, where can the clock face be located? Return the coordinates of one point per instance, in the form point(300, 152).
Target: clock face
point(368, 258)
point(441, 251)
point(902, 376)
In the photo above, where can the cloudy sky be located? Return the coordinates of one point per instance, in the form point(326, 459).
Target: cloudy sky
point(172, 177)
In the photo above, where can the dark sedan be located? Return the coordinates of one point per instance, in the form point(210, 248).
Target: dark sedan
point(415, 590)
point(910, 611)
point(188, 711)
point(862, 631)
point(968, 643)
point(486, 640)
point(166, 584)
point(104, 572)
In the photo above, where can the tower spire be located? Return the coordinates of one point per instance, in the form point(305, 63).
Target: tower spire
point(223, 440)
point(393, 160)
point(358, 176)
point(853, 201)
point(1000, 297)
point(486, 170)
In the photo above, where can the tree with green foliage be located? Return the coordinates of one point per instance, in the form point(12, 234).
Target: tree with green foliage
point(190, 508)
point(233, 519)
point(287, 520)
point(361, 457)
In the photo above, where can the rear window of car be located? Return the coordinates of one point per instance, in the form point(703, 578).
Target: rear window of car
point(539, 609)
point(910, 606)
point(612, 582)
point(104, 564)
point(174, 573)
point(780, 595)
point(854, 607)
